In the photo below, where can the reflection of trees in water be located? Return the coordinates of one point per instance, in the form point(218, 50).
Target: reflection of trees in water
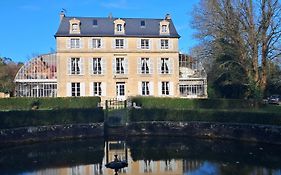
point(191, 165)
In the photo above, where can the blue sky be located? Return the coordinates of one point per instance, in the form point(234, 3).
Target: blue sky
point(28, 26)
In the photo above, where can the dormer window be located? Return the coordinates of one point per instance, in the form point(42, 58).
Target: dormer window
point(95, 23)
point(142, 24)
point(119, 26)
point(74, 26)
point(164, 29)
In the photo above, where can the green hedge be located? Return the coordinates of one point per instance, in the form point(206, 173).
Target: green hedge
point(180, 103)
point(49, 103)
point(258, 117)
point(15, 119)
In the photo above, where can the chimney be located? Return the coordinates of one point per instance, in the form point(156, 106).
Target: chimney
point(62, 15)
point(167, 16)
point(110, 16)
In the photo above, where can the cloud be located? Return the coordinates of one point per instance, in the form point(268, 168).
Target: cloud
point(119, 4)
point(30, 7)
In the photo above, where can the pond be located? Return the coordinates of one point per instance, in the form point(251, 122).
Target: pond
point(145, 155)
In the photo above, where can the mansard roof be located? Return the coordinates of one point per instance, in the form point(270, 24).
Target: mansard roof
point(105, 27)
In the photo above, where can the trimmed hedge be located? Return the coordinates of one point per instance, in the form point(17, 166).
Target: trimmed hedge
point(15, 119)
point(258, 117)
point(181, 103)
point(49, 103)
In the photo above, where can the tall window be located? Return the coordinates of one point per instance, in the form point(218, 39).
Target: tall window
point(119, 28)
point(165, 65)
point(145, 43)
point(164, 29)
point(119, 43)
point(97, 88)
point(120, 65)
point(164, 44)
point(75, 89)
point(145, 65)
point(145, 88)
point(75, 66)
point(96, 43)
point(165, 87)
point(75, 43)
point(97, 67)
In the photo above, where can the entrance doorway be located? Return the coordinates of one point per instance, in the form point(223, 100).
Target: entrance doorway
point(120, 91)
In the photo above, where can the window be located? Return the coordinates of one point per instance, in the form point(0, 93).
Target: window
point(164, 29)
point(95, 22)
point(164, 44)
point(142, 24)
point(164, 65)
point(75, 66)
point(97, 67)
point(145, 65)
point(192, 90)
point(97, 90)
point(145, 43)
point(96, 43)
point(119, 66)
point(75, 89)
point(145, 88)
point(120, 89)
point(119, 28)
point(165, 88)
point(75, 27)
point(75, 43)
point(119, 43)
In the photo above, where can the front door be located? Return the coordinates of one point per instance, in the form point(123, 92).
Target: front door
point(120, 91)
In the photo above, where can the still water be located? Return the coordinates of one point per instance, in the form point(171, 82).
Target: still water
point(151, 155)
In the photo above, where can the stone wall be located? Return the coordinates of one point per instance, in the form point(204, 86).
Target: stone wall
point(245, 132)
point(54, 132)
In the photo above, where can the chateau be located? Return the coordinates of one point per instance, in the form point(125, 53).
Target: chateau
point(113, 58)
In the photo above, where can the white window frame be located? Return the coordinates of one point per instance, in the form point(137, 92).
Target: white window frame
point(165, 88)
point(120, 65)
point(75, 66)
point(164, 28)
point(164, 44)
point(75, 43)
point(96, 43)
point(97, 88)
point(145, 43)
point(145, 66)
point(75, 89)
point(145, 88)
point(97, 66)
point(165, 66)
point(119, 27)
point(119, 44)
point(75, 27)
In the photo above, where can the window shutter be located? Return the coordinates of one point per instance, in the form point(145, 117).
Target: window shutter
point(68, 43)
point(126, 43)
point(90, 43)
point(171, 88)
point(81, 43)
point(159, 88)
point(151, 88)
point(139, 66)
point(114, 66)
point(159, 65)
point(82, 89)
point(138, 43)
point(139, 88)
point(91, 89)
point(103, 89)
point(126, 66)
point(113, 43)
point(150, 66)
point(150, 44)
point(102, 41)
point(91, 66)
point(159, 44)
point(68, 89)
point(103, 66)
point(69, 66)
point(171, 46)
point(171, 65)
point(81, 62)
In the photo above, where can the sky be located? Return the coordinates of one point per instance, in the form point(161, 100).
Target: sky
point(28, 26)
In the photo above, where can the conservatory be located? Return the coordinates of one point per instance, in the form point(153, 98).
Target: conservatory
point(38, 77)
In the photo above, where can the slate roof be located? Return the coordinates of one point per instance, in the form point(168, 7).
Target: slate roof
point(105, 27)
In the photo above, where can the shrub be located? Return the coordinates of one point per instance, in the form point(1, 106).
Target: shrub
point(15, 119)
point(49, 103)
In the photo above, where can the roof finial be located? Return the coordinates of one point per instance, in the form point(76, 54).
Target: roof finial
point(167, 16)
